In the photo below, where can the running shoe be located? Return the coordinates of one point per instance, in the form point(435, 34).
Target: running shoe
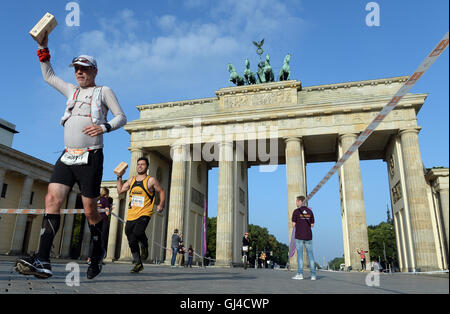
point(33, 266)
point(137, 268)
point(313, 278)
point(94, 269)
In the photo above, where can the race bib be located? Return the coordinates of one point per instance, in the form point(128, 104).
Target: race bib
point(137, 201)
point(245, 248)
point(75, 157)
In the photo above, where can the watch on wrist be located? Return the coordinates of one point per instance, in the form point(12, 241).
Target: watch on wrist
point(107, 126)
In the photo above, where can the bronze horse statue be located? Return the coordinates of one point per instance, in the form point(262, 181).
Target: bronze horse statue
point(285, 71)
point(249, 76)
point(234, 76)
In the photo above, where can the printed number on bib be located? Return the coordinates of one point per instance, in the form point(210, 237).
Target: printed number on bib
point(75, 157)
point(137, 201)
point(245, 248)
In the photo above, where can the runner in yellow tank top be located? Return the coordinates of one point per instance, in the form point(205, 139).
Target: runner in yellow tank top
point(141, 201)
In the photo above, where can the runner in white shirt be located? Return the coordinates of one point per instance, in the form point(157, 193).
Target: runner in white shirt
point(84, 122)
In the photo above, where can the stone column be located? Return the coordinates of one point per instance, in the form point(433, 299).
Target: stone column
point(68, 226)
point(296, 184)
point(125, 252)
point(443, 195)
point(224, 236)
point(113, 229)
point(353, 202)
point(21, 220)
point(177, 194)
point(419, 212)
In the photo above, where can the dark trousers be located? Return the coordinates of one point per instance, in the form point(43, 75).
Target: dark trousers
point(105, 233)
point(135, 231)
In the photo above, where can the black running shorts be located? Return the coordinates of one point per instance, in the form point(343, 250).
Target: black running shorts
point(88, 177)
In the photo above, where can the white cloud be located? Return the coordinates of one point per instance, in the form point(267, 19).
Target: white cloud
point(166, 22)
point(174, 48)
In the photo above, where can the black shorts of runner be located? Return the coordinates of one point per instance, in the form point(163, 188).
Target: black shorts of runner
point(88, 177)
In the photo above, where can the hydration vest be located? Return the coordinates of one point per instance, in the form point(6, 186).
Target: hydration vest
point(97, 115)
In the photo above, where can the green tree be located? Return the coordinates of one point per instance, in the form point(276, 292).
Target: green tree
point(263, 241)
point(260, 239)
point(211, 228)
point(379, 234)
point(336, 263)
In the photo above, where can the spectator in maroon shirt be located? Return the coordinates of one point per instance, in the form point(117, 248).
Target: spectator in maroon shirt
point(303, 221)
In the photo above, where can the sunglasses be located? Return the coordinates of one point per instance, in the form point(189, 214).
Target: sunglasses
point(83, 60)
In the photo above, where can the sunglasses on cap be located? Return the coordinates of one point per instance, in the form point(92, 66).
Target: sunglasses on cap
point(83, 62)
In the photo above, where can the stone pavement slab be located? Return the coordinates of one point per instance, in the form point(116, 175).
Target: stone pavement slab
point(159, 279)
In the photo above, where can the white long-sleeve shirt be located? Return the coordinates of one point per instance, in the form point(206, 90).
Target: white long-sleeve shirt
point(73, 127)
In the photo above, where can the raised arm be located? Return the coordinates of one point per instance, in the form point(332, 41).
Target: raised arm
point(122, 187)
point(67, 89)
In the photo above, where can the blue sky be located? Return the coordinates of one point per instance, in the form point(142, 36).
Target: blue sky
point(156, 51)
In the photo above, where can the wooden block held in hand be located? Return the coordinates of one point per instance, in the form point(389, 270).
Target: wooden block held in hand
point(120, 169)
point(46, 24)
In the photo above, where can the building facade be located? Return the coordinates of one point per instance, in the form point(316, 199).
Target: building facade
point(264, 124)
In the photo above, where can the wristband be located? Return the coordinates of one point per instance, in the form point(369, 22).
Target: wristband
point(43, 54)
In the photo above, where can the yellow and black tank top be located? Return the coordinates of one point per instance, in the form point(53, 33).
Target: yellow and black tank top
point(141, 199)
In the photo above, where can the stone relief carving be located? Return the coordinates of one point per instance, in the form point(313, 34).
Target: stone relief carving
point(197, 197)
point(396, 192)
point(274, 97)
point(241, 196)
point(392, 166)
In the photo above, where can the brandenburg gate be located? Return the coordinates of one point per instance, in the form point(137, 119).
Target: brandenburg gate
point(285, 123)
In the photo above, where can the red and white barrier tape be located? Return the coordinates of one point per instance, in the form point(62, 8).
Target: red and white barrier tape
point(42, 211)
point(423, 67)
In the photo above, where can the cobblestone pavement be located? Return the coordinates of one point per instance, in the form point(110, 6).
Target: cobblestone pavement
point(160, 279)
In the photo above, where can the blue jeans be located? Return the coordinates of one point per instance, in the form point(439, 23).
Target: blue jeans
point(308, 245)
point(174, 255)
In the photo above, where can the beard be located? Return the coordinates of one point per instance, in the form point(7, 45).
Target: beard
point(142, 172)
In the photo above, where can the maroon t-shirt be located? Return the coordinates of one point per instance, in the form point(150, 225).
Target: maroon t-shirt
point(303, 218)
point(103, 203)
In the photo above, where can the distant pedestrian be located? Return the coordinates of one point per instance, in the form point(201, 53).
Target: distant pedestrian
point(245, 249)
point(176, 239)
point(180, 255)
point(303, 221)
point(362, 255)
point(262, 258)
point(190, 256)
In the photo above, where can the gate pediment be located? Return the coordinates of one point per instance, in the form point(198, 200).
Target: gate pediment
point(259, 95)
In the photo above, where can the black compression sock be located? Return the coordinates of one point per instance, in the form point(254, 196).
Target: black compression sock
point(50, 226)
point(136, 258)
point(96, 241)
